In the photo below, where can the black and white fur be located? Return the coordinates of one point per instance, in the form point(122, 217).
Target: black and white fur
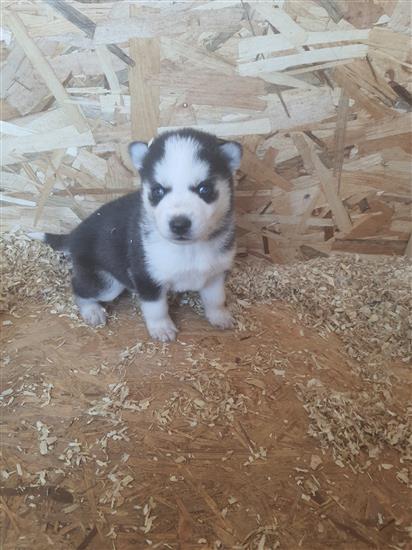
point(175, 233)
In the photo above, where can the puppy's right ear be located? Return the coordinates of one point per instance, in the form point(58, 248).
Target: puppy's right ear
point(137, 152)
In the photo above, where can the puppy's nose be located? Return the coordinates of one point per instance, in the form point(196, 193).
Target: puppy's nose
point(180, 225)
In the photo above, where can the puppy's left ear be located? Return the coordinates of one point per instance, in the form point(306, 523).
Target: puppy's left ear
point(137, 152)
point(233, 152)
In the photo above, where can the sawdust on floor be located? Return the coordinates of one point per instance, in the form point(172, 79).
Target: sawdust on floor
point(112, 441)
point(251, 439)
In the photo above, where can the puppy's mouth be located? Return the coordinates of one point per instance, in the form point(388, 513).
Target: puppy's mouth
point(181, 239)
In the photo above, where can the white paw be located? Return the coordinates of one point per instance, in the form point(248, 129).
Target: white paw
point(94, 314)
point(220, 318)
point(163, 330)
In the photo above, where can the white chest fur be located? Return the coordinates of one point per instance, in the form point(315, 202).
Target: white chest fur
point(184, 267)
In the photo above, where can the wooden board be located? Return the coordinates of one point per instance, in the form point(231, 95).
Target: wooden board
point(84, 79)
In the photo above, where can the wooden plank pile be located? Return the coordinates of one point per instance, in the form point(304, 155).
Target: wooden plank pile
point(319, 93)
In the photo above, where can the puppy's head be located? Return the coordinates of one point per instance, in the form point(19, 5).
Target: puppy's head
point(187, 182)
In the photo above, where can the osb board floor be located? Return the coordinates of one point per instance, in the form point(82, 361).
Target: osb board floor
point(208, 450)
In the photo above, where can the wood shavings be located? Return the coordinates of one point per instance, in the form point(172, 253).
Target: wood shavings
point(47, 388)
point(115, 401)
point(73, 455)
point(257, 540)
point(45, 440)
point(220, 403)
point(45, 274)
point(355, 427)
point(403, 476)
point(344, 295)
point(114, 494)
point(258, 454)
point(315, 462)
point(149, 518)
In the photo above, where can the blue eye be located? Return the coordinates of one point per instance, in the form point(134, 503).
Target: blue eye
point(158, 192)
point(204, 189)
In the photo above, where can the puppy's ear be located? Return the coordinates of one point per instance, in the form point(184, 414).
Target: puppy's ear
point(137, 152)
point(233, 152)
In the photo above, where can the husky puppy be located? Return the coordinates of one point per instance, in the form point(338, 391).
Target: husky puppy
point(176, 233)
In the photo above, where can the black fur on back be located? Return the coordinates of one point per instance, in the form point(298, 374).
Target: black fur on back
point(57, 242)
point(110, 240)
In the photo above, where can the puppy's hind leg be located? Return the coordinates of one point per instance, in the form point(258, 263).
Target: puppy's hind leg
point(91, 311)
point(87, 286)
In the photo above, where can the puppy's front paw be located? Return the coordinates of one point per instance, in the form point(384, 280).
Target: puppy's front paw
point(163, 330)
point(94, 314)
point(220, 318)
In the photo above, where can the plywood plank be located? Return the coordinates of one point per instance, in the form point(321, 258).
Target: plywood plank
point(408, 249)
point(230, 129)
point(84, 23)
point(107, 66)
point(262, 171)
point(283, 22)
point(49, 183)
point(42, 66)
point(328, 184)
point(144, 95)
point(255, 45)
point(13, 148)
point(314, 56)
point(169, 22)
point(340, 133)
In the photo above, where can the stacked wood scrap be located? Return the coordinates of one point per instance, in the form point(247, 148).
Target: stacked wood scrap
point(317, 91)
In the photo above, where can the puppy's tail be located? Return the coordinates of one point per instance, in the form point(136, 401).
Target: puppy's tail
point(57, 242)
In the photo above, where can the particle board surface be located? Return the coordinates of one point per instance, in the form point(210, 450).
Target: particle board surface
point(298, 417)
